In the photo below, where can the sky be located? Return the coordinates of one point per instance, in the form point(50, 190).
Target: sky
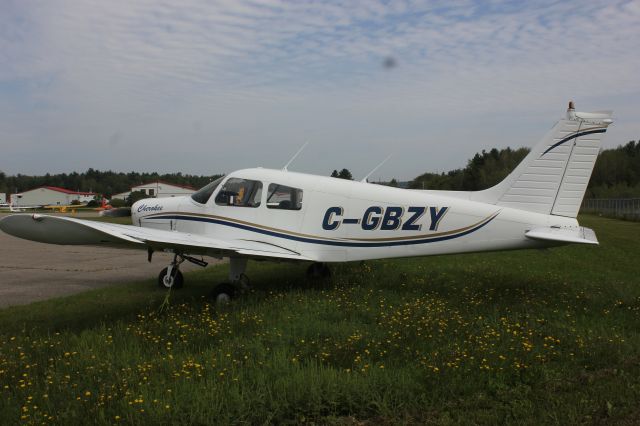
point(205, 87)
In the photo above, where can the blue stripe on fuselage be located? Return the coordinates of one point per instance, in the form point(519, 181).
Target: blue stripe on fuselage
point(324, 242)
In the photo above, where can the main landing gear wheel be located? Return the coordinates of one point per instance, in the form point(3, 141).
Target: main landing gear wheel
point(238, 282)
point(175, 280)
point(223, 293)
point(318, 270)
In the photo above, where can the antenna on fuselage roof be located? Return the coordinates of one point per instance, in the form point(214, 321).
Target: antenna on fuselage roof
point(284, 169)
point(364, 179)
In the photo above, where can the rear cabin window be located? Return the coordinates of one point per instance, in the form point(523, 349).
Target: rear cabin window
point(240, 193)
point(203, 194)
point(284, 197)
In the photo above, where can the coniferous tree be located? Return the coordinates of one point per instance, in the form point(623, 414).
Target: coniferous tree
point(345, 174)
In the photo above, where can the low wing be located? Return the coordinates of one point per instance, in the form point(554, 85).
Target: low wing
point(71, 231)
point(579, 235)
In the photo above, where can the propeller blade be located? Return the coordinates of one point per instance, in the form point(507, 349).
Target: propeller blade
point(117, 212)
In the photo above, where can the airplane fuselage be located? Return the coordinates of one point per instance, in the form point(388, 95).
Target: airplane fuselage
point(336, 220)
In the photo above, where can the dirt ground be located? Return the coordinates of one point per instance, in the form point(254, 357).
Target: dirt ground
point(31, 271)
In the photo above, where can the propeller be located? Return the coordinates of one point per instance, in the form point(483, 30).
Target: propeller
point(116, 212)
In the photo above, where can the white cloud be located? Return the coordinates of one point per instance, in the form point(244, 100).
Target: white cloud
point(260, 77)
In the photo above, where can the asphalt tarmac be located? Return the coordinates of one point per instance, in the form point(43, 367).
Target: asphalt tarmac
point(31, 271)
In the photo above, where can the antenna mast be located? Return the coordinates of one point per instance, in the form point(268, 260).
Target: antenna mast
point(364, 179)
point(284, 169)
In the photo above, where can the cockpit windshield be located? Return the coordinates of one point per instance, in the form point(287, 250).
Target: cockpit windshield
point(203, 194)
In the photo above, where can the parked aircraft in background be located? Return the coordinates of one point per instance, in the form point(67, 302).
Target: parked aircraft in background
point(281, 215)
point(17, 209)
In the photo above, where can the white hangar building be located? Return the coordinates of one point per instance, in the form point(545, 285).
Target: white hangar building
point(50, 195)
point(158, 189)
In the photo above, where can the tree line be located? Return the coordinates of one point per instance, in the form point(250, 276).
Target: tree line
point(484, 170)
point(616, 175)
point(106, 183)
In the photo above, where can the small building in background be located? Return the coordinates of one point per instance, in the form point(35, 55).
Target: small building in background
point(157, 189)
point(50, 195)
point(3, 198)
point(121, 195)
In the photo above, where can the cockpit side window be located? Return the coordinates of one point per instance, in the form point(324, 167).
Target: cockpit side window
point(203, 194)
point(284, 197)
point(240, 193)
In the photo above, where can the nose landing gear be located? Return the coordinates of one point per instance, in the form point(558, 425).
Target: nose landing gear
point(171, 276)
point(223, 293)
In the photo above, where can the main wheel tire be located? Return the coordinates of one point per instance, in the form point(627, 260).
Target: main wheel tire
point(317, 271)
point(175, 281)
point(223, 293)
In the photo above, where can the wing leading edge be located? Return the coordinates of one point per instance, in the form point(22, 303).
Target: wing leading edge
point(71, 231)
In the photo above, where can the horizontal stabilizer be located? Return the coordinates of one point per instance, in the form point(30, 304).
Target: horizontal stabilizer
point(578, 234)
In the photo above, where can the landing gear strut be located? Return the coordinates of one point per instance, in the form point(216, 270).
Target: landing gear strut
point(238, 282)
point(171, 277)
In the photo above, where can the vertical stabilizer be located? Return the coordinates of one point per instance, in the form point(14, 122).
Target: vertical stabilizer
point(553, 178)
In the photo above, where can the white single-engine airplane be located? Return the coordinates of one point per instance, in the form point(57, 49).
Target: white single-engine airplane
point(281, 215)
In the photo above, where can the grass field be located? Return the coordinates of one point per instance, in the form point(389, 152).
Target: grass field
point(522, 337)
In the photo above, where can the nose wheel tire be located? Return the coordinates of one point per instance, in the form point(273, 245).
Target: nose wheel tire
point(223, 293)
point(175, 280)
